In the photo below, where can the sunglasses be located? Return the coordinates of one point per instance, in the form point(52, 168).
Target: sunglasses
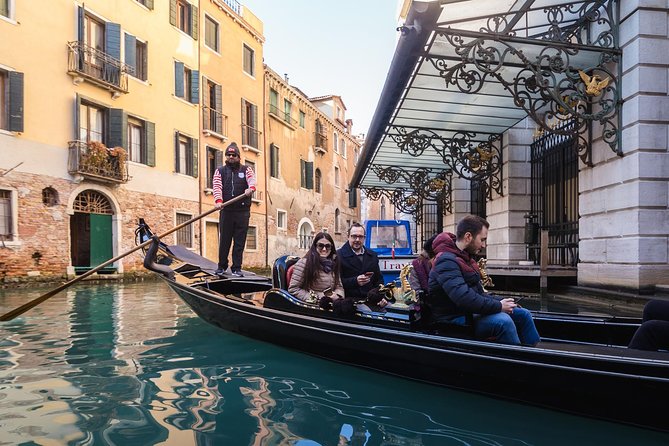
point(323, 245)
point(231, 155)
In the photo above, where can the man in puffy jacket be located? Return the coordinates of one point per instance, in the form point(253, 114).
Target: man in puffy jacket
point(456, 291)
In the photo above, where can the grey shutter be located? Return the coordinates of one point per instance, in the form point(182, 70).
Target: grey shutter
point(131, 51)
point(113, 40)
point(205, 92)
point(80, 37)
point(352, 197)
point(176, 152)
point(178, 79)
point(150, 129)
point(310, 174)
point(194, 22)
point(195, 147)
point(15, 101)
point(218, 100)
point(118, 129)
point(173, 12)
point(77, 118)
point(195, 87)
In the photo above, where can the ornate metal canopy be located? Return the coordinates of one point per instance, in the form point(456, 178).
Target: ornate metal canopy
point(465, 71)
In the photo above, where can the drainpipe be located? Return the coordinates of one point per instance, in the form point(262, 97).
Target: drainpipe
point(264, 138)
point(200, 189)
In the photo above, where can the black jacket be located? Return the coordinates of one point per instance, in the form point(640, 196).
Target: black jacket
point(351, 268)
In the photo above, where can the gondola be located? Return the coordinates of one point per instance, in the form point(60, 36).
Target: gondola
point(581, 365)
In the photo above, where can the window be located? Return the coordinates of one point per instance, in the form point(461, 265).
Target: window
point(147, 3)
point(281, 219)
point(305, 235)
point(210, 33)
point(50, 196)
point(92, 122)
point(306, 174)
point(287, 110)
point(337, 216)
point(252, 238)
point(5, 8)
point(214, 160)
point(185, 234)
point(136, 56)
point(136, 147)
point(342, 146)
point(335, 140)
point(273, 101)
point(186, 83)
point(336, 173)
point(274, 161)
point(302, 118)
point(184, 16)
point(185, 155)
point(249, 124)
point(317, 181)
point(249, 60)
point(212, 110)
point(6, 217)
point(11, 100)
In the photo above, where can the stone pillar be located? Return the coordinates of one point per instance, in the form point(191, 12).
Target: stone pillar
point(624, 221)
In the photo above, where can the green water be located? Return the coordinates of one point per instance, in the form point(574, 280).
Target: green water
point(132, 365)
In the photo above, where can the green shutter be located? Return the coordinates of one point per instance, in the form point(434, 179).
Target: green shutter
point(15, 106)
point(195, 87)
point(194, 149)
point(173, 12)
point(118, 129)
point(218, 100)
point(176, 152)
point(310, 174)
point(150, 129)
point(352, 198)
point(178, 79)
point(194, 22)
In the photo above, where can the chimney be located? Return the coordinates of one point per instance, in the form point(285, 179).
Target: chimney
point(285, 77)
point(349, 126)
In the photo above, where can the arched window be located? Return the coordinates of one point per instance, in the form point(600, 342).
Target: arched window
point(305, 235)
point(337, 215)
point(335, 141)
point(50, 196)
point(317, 181)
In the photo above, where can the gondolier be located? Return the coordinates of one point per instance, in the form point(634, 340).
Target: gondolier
point(232, 180)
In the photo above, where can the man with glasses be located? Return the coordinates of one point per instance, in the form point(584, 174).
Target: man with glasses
point(230, 181)
point(360, 270)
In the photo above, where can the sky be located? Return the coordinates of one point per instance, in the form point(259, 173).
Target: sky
point(341, 47)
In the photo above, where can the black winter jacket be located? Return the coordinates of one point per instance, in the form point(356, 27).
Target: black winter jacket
point(351, 268)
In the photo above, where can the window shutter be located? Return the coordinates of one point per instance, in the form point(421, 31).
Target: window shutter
point(254, 110)
point(194, 22)
point(218, 158)
point(77, 118)
point(243, 112)
point(176, 152)
point(302, 173)
point(173, 12)
point(113, 40)
point(194, 144)
point(118, 129)
point(352, 198)
point(150, 129)
point(205, 92)
point(80, 37)
point(149, 4)
point(178, 79)
point(195, 87)
point(218, 100)
point(15, 101)
point(131, 51)
point(309, 171)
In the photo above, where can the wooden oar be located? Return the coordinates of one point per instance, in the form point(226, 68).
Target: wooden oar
point(33, 303)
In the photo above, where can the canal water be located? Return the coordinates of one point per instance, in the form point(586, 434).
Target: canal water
point(130, 364)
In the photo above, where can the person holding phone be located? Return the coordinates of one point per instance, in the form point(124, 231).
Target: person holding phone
point(316, 275)
point(456, 293)
point(360, 271)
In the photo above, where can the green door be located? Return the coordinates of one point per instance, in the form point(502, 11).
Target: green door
point(101, 238)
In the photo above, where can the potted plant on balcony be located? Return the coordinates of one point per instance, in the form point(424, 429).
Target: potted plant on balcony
point(117, 158)
point(96, 158)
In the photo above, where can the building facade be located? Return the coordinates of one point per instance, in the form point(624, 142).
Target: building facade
point(311, 155)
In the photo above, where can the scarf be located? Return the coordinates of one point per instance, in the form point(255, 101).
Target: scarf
point(445, 242)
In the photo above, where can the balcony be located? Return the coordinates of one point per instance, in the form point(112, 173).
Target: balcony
point(95, 161)
point(214, 123)
point(282, 116)
point(97, 67)
point(320, 142)
point(250, 138)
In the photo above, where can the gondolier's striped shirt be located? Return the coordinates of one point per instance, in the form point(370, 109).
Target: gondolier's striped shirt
point(218, 184)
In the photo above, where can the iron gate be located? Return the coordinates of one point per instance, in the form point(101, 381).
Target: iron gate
point(554, 195)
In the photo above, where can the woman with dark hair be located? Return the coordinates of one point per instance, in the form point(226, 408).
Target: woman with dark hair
point(316, 275)
point(421, 267)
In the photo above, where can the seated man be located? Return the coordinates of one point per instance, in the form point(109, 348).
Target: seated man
point(456, 290)
point(360, 270)
point(653, 334)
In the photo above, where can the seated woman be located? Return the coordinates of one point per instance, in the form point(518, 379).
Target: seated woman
point(653, 334)
point(316, 275)
point(421, 267)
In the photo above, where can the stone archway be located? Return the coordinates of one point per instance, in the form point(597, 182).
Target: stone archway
point(91, 231)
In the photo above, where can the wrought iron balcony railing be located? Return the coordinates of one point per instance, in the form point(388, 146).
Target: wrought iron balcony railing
point(249, 136)
point(321, 141)
point(282, 115)
point(98, 67)
point(214, 121)
point(93, 160)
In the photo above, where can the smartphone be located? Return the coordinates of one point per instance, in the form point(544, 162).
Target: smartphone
point(327, 291)
point(518, 299)
point(369, 274)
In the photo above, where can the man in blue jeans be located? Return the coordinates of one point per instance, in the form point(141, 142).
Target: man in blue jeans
point(455, 290)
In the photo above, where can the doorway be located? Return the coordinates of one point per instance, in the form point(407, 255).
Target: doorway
point(91, 232)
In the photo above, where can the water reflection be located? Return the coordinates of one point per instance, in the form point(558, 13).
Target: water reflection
point(130, 364)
